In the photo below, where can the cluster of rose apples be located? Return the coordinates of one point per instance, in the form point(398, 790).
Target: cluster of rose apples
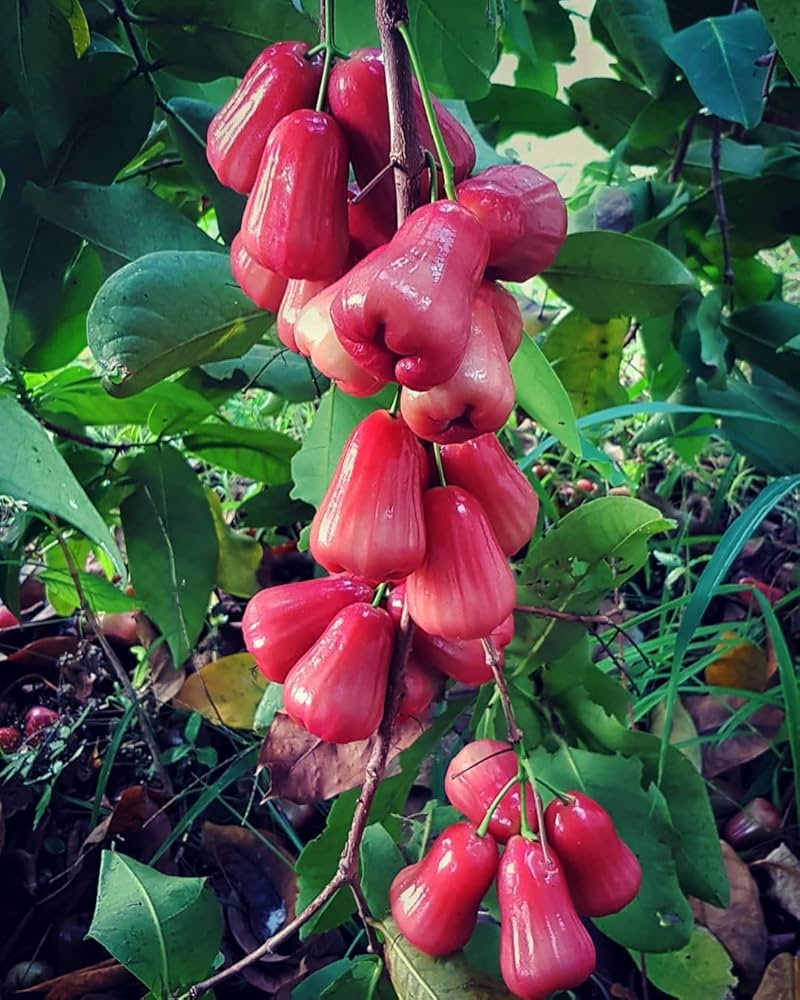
point(577, 867)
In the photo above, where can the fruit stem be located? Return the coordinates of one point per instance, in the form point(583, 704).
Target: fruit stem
point(395, 402)
point(524, 822)
point(433, 122)
point(329, 49)
point(380, 593)
point(552, 788)
point(487, 818)
point(437, 457)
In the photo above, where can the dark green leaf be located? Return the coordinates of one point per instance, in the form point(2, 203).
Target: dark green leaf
point(735, 158)
point(639, 29)
point(702, 968)
point(719, 57)
point(204, 39)
point(167, 311)
point(273, 506)
point(271, 366)
point(313, 986)
point(551, 28)
point(457, 45)
point(763, 333)
point(32, 470)
point(606, 274)
point(145, 918)
point(783, 21)
point(314, 465)
point(606, 109)
point(586, 357)
point(188, 125)
point(486, 155)
point(659, 919)
point(514, 109)
point(381, 860)
point(125, 220)
point(171, 545)
point(541, 394)
point(262, 455)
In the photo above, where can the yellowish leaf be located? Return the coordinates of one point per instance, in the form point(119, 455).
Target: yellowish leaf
point(239, 555)
point(781, 979)
point(78, 25)
point(741, 665)
point(226, 691)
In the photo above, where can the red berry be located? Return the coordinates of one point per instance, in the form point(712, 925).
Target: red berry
point(7, 618)
point(37, 718)
point(10, 738)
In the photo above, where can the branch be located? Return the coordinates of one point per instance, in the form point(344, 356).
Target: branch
point(83, 439)
point(493, 659)
point(683, 146)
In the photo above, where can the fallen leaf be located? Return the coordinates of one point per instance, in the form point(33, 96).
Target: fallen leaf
point(303, 768)
point(226, 691)
point(141, 825)
point(99, 978)
point(784, 871)
point(741, 665)
point(750, 740)
point(162, 678)
point(701, 969)
point(781, 979)
point(740, 927)
point(43, 654)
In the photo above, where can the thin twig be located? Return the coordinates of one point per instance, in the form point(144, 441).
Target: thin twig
point(83, 439)
point(719, 200)
point(767, 84)
point(683, 146)
point(149, 168)
point(362, 906)
point(493, 659)
point(565, 616)
point(147, 731)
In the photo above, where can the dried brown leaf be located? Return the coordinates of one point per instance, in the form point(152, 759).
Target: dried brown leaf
point(711, 712)
point(106, 975)
point(739, 664)
point(139, 820)
point(740, 927)
point(784, 871)
point(303, 768)
point(164, 680)
point(781, 979)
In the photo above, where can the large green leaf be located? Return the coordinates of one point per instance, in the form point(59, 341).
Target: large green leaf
point(542, 395)
point(659, 919)
point(167, 311)
point(516, 109)
point(763, 334)
point(204, 39)
point(188, 125)
point(40, 73)
point(551, 28)
point(639, 29)
point(701, 970)
point(32, 470)
point(271, 366)
point(145, 919)
point(606, 109)
point(171, 545)
point(262, 455)
point(783, 22)
point(720, 57)
point(586, 356)
point(125, 220)
point(605, 274)
point(314, 465)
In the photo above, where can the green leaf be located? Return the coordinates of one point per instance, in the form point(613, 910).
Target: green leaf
point(606, 109)
point(78, 25)
point(735, 158)
point(381, 860)
point(457, 45)
point(517, 109)
point(416, 976)
point(125, 220)
point(541, 394)
point(783, 21)
point(145, 919)
point(315, 462)
point(362, 981)
point(719, 57)
point(271, 366)
point(551, 27)
point(32, 470)
point(639, 29)
point(262, 455)
point(204, 39)
point(167, 311)
point(763, 333)
point(606, 274)
point(701, 970)
point(586, 356)
point(659, 919)
point(171, 545)
point(40, 73)
point(5, 316)
point(312, 987)
point(239, 555)
point(485, 155)
point(188, 126)
point(274, 506)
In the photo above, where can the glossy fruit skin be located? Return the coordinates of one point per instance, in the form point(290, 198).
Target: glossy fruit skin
point(315, 337)
point(404, 312)
point(371, 520)
point(370, 222)
point(280, 624)
point(544, 947)
point(477, 398)
point(297, 295)
point(10, 739)
point(280, 80)
point(435, 902)
point(37, 718)
point(264, 287)
point(524, 214)
point(337, 689)
point(7, 618)
point(464, 588)
point(475, 777)
point(295, 222)
point(757, 822)
point(507, 315)
point(462, 659)
point(357, 99)
point(604, 874)
point(422, 685)
point(482, 467)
